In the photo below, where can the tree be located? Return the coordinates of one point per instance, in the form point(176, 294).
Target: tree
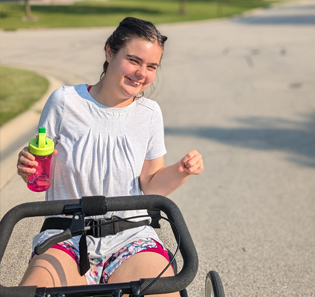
point(28, 14)
point(182, 7)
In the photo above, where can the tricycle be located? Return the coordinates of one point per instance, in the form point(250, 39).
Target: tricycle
point(78, 209)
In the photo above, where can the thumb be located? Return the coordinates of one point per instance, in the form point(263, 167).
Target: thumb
point(181, 168)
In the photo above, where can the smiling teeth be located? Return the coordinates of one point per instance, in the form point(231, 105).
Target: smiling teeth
point(136, 83)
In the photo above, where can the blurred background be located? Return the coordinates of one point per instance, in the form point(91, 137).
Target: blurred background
point(73, 13)
point(236, 83)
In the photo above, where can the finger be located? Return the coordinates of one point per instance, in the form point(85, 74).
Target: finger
point(55, 152)
point(194, 170)
point(25, 171)
point(191, 155)
point(26, 158)
point(193, 161)
point(27, 162)
point(188, 167)
point(181, 168)
point(194, 165)
point(25, 153)
point(188, 156)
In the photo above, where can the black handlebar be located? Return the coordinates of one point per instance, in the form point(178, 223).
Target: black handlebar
point(101, 205)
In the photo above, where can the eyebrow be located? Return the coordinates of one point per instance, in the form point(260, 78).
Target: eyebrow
point(139, 59)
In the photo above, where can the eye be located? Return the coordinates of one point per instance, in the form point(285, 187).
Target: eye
point(133, 61)
point(152, 67)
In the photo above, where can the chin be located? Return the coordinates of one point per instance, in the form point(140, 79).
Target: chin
point(132, 94)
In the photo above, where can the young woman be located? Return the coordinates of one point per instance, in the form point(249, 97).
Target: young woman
point(109, 141)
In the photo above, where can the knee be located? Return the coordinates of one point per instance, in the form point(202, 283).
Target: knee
point(52, 269)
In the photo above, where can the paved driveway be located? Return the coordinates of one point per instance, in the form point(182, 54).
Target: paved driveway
point(241, 91)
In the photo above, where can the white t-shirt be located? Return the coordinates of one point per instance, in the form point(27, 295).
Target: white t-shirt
point(101, 151)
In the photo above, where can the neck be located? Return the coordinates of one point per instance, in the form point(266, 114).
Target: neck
point(103, 94)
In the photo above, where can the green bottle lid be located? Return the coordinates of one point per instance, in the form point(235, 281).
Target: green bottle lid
point(41, 145)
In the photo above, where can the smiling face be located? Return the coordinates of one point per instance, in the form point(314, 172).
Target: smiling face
point(133, 68)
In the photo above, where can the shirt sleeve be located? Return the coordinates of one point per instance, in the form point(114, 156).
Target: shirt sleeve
point(51, 116)
point(156, 145)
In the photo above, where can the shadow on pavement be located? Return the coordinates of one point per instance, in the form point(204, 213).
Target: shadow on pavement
point(286, 15)
point(270, 134)
point(301, 7)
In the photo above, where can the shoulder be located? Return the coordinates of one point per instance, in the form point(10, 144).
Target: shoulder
point(68, 90)
point(65, 93)
point(149, 105)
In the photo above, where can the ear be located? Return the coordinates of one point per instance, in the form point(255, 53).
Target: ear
point(108, 53)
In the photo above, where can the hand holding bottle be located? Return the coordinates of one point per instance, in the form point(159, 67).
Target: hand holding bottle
point(35, 162)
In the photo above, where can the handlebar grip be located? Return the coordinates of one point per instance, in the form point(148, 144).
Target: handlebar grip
point(94, 205)
point(43, 247)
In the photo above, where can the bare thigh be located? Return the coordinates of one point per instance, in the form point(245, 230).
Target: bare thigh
point(142, 265)
point(54, 268)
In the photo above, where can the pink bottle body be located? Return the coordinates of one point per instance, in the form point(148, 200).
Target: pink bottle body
point(41, 180)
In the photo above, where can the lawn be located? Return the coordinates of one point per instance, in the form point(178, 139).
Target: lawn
point(19, 90)
point(110, 12)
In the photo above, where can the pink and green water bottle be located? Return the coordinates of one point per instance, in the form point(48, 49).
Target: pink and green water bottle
point(42, 148)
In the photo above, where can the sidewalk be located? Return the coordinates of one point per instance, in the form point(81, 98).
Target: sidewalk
point(14, 135)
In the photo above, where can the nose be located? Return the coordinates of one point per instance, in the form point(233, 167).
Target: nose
point(141, 72)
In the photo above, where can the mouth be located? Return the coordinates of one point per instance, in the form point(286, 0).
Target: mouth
point(136, 83)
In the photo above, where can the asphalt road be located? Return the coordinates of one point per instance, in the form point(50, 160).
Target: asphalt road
point(239, 90)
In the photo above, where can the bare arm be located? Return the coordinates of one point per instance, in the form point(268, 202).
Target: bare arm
point(157, 179)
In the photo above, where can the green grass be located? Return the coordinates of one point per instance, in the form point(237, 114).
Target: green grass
point(19, 90)
point(110, 12)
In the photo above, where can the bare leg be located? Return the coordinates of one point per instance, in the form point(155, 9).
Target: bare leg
point(142, 265)
point(54, 268)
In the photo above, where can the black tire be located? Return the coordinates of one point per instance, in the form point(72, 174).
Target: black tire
point(214, 287)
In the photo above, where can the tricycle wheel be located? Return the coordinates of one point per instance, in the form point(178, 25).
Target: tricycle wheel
point(214, 287)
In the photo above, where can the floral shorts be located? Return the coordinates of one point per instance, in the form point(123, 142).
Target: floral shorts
point(102, 268)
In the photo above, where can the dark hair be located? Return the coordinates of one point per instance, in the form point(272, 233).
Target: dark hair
point(132, 28)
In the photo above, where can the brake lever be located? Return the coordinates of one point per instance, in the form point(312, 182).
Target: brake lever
point(77, 227)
